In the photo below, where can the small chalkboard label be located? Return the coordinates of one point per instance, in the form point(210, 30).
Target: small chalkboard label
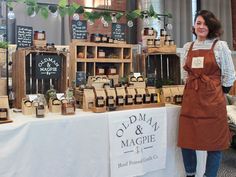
point(48, 66)
point(80, 78)
point(24, 36)
point(79, 29)
point(118, 31)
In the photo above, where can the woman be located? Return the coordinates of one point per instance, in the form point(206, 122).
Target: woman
point(209, 74)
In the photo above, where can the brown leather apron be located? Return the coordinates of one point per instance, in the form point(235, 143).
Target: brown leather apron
point(203, 117)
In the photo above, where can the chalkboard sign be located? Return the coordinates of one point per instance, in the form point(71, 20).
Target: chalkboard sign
point(79, 29)
point(118, 31)
point(24, 36)
point(48, 66)
point(80, 78)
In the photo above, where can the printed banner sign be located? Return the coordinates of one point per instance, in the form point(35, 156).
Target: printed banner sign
point(48, 66)
point(138, 141)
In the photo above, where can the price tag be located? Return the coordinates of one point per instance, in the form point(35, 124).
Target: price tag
point(32, 97)
point(60, 96)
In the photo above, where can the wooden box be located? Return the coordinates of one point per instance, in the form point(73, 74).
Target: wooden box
point(68, 107)
point(54, 105)
point(27, 107)
point(100, 92)
point(161, 69)
point(162, 49)
point(88, 100)
point(170, 91)
point(4, 113)
point(39, 43)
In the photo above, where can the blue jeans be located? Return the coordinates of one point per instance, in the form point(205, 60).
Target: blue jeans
point(212, 164)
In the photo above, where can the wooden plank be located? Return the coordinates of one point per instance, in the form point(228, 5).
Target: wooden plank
point(140, 106)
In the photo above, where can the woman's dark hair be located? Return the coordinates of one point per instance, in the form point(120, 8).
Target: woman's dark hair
point(212, 23)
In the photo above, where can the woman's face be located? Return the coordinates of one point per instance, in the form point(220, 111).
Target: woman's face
point(201, 28)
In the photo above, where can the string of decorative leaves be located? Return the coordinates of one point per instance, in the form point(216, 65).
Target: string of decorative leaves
point(32, 6)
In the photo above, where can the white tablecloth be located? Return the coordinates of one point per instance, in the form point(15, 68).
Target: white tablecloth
point(73, 146)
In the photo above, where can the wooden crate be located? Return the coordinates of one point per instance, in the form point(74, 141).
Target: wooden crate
point(161, 68)
point(23, 74)
point(162, 49)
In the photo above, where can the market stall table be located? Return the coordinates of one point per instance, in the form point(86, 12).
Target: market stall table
point(74, 146)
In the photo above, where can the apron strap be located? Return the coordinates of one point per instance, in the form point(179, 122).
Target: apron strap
point(213, 45)
point(191, 47)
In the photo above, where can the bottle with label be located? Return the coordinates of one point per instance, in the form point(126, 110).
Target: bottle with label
point(11, 97)
point(40, 110)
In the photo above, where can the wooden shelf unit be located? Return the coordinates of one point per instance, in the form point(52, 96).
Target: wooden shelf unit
point(84, 57)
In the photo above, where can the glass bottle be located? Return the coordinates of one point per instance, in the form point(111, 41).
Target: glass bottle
point(11, 97)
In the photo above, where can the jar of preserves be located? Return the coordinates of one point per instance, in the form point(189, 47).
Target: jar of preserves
point(148, 31)
point(100, 71)
point(166, 42)
point(153, 97)
point(171, 42)
point(146, 98)
point(119, 100)
point(150, 42)
point(110, 101)
point(101, 53)
point(163, 32)
point(39, 35)
point(157, 42)
point(100, 101)
point(95, 37)
point(110, 40)
point(128, 99)
point(138, 99)
point(104, 38)
point(111, 71)
point(3, 114)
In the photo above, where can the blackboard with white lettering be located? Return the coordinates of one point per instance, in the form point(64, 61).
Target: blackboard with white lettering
point(48, 66)
point(80, 78)
point(118, 31)
point(24, 36)
point(79, 29)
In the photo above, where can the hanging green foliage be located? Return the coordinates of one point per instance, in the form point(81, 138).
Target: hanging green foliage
point(32, 6)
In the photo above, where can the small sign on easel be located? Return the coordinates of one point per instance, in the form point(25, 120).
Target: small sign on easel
point(118, 31)
point(24, 36)
point(79, 29)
